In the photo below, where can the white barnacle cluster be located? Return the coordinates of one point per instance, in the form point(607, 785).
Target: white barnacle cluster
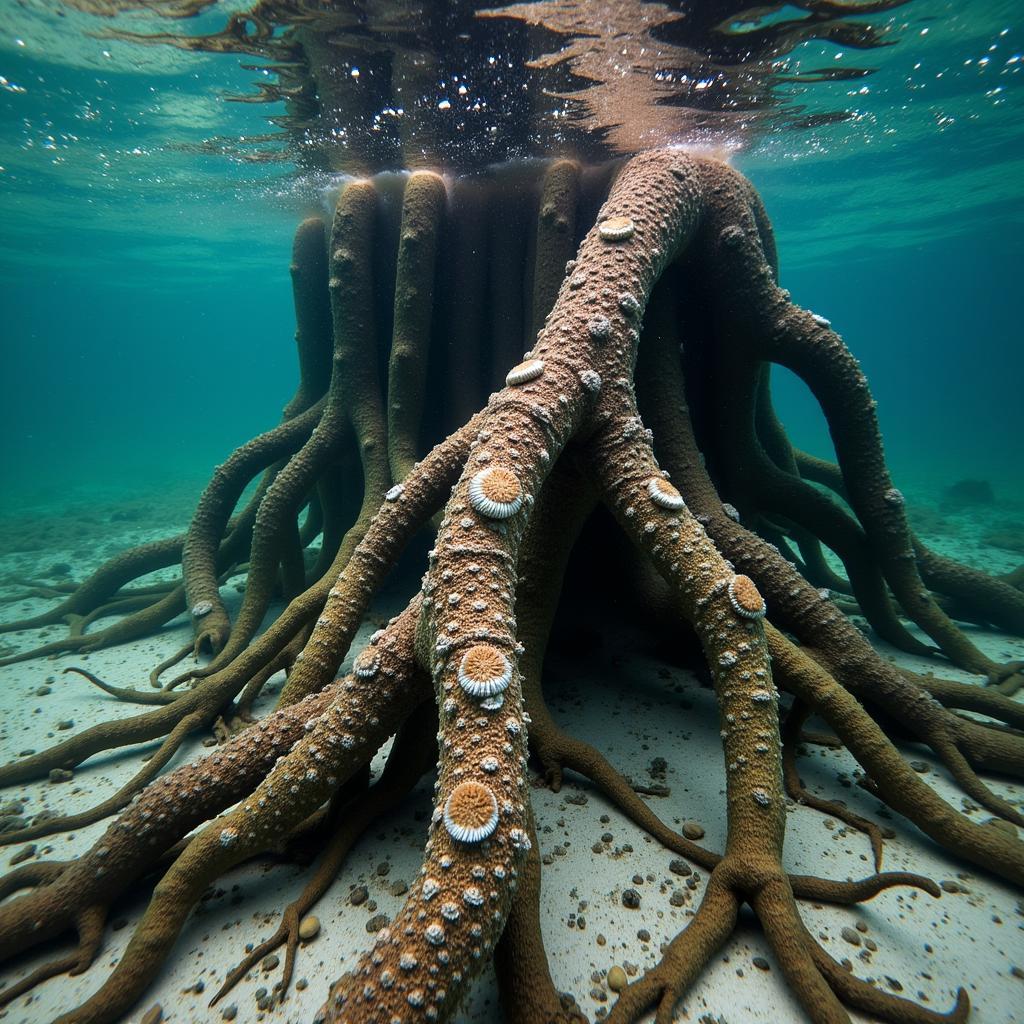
point(664, 495)
point(201, 608)
point(484, 673)
point(524, 372)
point(519, 840)
point(470, 813)
point(761, 798)
point(616, 229)
point(495, 493)
point(394, 493)
point(745, 598)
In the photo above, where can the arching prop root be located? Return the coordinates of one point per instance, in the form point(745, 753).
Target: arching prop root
point(563, 434)
point(412, 755)
point(318, 757)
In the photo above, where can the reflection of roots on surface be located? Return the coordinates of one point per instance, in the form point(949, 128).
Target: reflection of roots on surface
point(391, 309)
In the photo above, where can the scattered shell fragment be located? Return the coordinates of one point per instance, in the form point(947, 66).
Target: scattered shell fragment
point(470, 812)
point(616, 229)
point(529, 369)
point(485, 671)
point(745, 598)
point(496, 493)
point(821, 321)
point(201, 608)
point(664, 495)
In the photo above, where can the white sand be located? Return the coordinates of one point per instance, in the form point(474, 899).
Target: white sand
point(617, 699)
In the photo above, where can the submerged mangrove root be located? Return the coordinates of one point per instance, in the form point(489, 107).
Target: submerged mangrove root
point(648, 357)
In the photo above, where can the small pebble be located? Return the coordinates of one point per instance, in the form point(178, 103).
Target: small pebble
point(153, 1015)
point(270, 962)
point(43, 691)
point(761, 964)
point(61, 774)
point(69, 723)
point(377, 922)
point(229, 1012)
point(617, 979)
point(680, 867)
point(693, 830)
point(851, 935)
point(359, 894)
point(309, 928)
point(920, 766)
point(630, 899)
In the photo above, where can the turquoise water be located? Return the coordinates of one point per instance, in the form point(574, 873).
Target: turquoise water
point(147, 311)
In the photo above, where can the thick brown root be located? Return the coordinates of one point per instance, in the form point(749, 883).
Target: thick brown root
point(562, 435)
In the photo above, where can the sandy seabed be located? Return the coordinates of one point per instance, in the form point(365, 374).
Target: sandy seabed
point(616, 694)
